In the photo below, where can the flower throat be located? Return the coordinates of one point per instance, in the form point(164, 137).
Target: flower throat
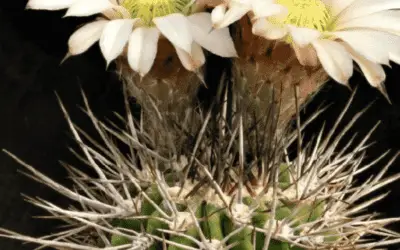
point(311, 14)
point(146, 10)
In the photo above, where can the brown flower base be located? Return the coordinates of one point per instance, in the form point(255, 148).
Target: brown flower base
point(168, 83)
point(270, 72)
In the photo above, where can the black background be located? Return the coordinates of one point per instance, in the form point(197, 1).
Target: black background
point(32, 44)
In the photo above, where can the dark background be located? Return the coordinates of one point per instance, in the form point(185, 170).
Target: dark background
point(32, 44)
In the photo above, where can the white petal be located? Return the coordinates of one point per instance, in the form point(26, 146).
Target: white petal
point(234, 13)
point(373, 72)
point(88, 7)
point(383, 21)
point(395, 57)
point(49, 4)
point(175, 28)
point(268, 30)
point(217, 41)
point(263, 8)
point(193, 61)
point(117, 12)
point(114, 37)
point(306, 55)
point(218, 14)
point(373, 45)
point(337, 6)
point(142, 49)
point(303, 36)
point(366, 7)
point(371, 51)
point(82, 39)
point(334, 59)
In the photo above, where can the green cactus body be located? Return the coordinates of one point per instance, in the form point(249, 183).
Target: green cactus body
point(153, 193)
point(245, 244)
point(307, 212)
point(211, 225)
point(282, 212)
point(154, 224)
point(117, 240)
point(221, 165)
point(155, 246)
point(278, 245)
point(132, 224)
point(242, 238)
point(259, 219)
point(192, 231)
point(249, 201)
point(284, 176)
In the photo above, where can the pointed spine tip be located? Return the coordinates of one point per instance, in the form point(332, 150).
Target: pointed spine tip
point(68, 55)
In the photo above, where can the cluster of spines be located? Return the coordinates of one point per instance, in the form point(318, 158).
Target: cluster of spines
point(196, 200)
point(216, 223)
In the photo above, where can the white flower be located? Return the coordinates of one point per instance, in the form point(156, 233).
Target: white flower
point(137, 25)
point(230, 11)
point(336, 32)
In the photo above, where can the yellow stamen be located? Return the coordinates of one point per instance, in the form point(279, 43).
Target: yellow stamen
point(146, 10)
point(304, 13)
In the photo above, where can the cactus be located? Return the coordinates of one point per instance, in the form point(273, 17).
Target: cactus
point(220, 177)
point(225, 188)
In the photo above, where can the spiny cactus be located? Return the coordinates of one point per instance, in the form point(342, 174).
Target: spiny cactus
point(227, 184)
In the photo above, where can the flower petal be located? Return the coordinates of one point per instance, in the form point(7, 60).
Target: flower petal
point(83, 38)
point(334, 59)
point(88, 7)
point(373, 45)
point(337, 6)
point(117, 12)
point(114, 37)
point(142, 49)
point(193, 61)
point(387, 21)
point(218, 14)
point(268, 30)
point(373, 72)
point(217, 41)
point(175, 28)
point(262, 8)
point(49, 4)
point(234, 13)
point(303, 36)
point(366, 7)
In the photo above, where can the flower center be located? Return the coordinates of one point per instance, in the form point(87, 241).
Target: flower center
point(146, 10)
point(311, 14)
